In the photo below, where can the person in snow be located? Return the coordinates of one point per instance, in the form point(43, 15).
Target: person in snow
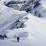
point(18, 39)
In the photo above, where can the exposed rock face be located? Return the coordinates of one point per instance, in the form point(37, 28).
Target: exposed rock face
point(22, 5)
point(32, 6)
point(16, 7)
point(29, 5)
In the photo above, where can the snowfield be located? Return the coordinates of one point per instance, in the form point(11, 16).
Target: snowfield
point(43, 2)
point(30, 29)
point(36, 30)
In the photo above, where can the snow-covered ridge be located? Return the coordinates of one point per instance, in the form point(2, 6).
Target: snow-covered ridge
point(10, 18)
point(33, 7)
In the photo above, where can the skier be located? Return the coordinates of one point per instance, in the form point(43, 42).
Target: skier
point(18, 39)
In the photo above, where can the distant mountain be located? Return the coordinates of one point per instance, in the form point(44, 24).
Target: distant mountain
point(22, 5)
point(34, 7)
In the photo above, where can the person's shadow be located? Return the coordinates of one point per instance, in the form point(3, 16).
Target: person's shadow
point(14, 41)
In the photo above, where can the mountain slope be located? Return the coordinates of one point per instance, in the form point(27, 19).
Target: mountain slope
point(36, 29)
point(32, 34)
point(9, 18)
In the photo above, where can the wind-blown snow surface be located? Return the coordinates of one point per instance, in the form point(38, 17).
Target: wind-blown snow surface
point(8, 17)
point(43, 2)
point(36, 29)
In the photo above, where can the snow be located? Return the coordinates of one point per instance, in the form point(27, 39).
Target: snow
point(36, 27)
point(34, 34)
point(2, 7)
point(43, 2)
point(15, 43)
point(14, 33)
point(8, 17)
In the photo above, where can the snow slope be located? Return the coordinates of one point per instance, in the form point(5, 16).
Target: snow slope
point(36, 27)
point(43, 2)
point(8, 17)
